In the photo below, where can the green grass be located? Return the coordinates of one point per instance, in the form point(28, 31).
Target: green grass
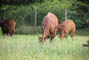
point(27, 47)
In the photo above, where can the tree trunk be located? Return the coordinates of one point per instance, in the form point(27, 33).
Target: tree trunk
point(65, 14)
point(35, 22)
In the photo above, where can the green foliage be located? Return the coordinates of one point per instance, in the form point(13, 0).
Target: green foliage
point(78, 11)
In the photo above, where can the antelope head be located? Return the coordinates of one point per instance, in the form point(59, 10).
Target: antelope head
point(40, 38)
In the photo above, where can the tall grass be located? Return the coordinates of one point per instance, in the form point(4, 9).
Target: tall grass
point(27, 47)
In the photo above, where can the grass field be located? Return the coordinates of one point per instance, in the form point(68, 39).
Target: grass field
point(27, 47)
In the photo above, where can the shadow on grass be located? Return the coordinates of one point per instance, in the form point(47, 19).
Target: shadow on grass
point(29, 30)
point(82, 32)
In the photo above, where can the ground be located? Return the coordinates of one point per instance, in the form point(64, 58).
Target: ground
point(27, 47)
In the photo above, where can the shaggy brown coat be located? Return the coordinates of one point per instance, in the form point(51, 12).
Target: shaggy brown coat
point(8, 26)
point(68, 26)
point(49, 25)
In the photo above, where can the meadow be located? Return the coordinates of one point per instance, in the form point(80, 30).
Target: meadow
point(27, 47)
